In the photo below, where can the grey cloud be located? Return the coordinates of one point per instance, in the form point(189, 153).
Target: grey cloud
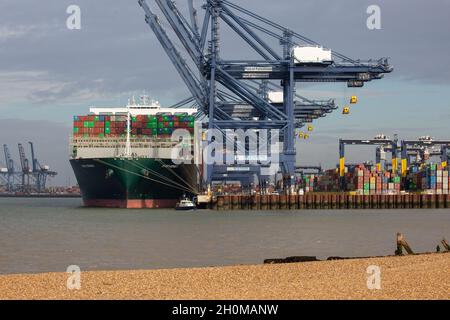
point(116, 46)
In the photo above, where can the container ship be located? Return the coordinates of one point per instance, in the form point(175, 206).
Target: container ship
point(123, 157)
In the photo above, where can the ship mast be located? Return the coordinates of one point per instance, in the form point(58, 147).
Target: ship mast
point(128, 143)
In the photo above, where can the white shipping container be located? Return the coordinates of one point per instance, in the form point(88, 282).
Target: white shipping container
point(4, 170)
point(276, 96)
point(312, 55)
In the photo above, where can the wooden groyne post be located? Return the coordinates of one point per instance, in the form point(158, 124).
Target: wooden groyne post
point(402, 244)
point(445, 244)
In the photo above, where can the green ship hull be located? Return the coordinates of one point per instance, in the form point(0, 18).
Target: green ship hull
point(134, 183)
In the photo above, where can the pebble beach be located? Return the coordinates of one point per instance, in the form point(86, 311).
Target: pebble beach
point(408, 277)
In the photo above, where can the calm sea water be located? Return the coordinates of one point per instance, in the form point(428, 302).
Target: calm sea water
point(40, 235)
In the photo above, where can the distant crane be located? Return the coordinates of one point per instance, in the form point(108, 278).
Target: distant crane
point(379, 140)
point(40, 172)
point(25, 165)
point(30, 178)
point(423, 142)
point(303, 170)
point(10, 171)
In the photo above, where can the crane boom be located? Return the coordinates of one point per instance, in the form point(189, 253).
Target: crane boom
point(23, 160)
point(8, 159)
point(183, 31)
point(33, 158)
point(180, 64)
point(194, 21)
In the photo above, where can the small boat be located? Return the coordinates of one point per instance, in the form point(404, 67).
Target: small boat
point(185, 205)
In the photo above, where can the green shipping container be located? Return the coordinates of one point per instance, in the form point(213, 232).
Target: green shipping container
point(152, 125)
point(86, 124)
point(75, 130)
point(366, 186)
point(96, 118)
point(91, 124)
point(107, 130)
point(107, 124)
point(133, 119)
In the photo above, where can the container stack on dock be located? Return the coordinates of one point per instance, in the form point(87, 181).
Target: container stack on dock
point(309, 182)
point(431, 179)
point(360, 180)
point(141, 125)
point(367, 180)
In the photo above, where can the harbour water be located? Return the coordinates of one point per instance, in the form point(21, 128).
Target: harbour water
point(43, 235)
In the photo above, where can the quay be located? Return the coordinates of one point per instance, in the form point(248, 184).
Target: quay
point(312, 201)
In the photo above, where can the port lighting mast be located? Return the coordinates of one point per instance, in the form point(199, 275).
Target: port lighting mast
point(220, 82)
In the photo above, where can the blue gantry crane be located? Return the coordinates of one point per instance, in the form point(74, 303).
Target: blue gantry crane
point(9, 172)
point(221, 86)
point(380, 141)
point(30, 178)
point(422, 144)
point(40, 173)
point(26, 170)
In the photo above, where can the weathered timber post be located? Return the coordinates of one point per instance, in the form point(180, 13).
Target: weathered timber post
point(401, 243)
point(445, 245)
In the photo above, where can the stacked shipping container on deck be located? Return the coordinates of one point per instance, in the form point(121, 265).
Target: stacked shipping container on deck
point(102, 126)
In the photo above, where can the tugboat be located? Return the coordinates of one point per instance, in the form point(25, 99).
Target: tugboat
point(185, 205)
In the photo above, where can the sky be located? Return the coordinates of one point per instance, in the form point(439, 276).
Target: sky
point(49, 73)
